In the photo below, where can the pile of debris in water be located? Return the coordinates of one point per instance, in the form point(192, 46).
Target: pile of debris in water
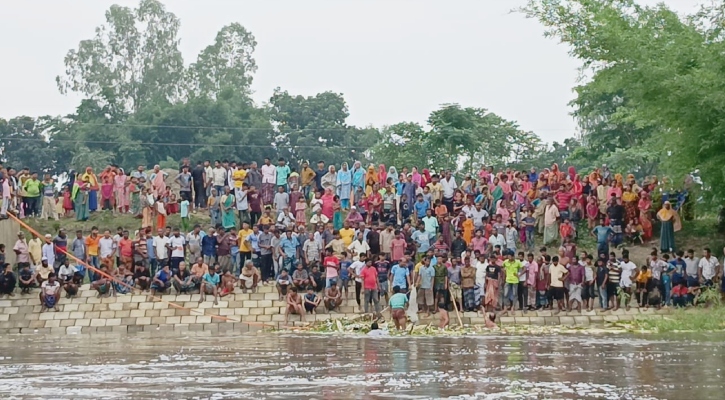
point(361, 325)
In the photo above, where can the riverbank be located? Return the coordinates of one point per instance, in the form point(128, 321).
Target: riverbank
point(263, 310)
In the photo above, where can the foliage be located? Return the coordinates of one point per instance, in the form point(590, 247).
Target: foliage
point(656, 80)
point(687, 319)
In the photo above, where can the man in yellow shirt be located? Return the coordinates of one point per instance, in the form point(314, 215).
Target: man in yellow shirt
point(347, 234)
point(307, 179)
point(245, 246)
point(35, 251)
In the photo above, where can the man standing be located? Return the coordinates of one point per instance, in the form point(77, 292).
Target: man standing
point(449, 188)
point(269, 180)
point(48, 198)
point(307, 179)
point(198, 179)
point(551, 222)
point(32, 195)
point(511, 266)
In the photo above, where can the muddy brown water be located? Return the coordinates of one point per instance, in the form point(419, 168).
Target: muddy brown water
point(276, 366)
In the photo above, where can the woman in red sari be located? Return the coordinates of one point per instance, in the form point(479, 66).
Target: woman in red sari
point(644, 205)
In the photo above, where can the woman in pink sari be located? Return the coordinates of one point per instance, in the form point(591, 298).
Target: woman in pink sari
point(158, 183)
point(328, 199)
point(121, 191)
point(415, 177)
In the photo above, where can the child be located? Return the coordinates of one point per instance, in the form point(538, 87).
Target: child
point(404, 209)
point(345, 272)
point(529, 227)
point(316, 203)
point(592, 212)
point(266, 219)
point(566, 230)
point(172, 205)
point(283, 282)
point(311, 301)
point(679, 295)
point(300, 207)
point(184, 212)
point(67, 202)
point(511, 235)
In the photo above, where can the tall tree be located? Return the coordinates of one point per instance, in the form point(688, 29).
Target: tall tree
point(24, 144)
point(228, 63)
point(133, 59)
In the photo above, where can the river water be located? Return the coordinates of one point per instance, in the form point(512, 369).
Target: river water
point(167, 365)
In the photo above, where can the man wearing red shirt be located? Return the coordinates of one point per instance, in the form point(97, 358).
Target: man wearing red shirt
point(332, 265)
point(125, 246)
point(369, 275)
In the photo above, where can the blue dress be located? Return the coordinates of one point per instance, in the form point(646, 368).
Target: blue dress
point(344, 184)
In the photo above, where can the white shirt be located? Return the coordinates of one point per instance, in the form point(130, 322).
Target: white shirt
point(269, 174)
point(209, 171)
point(588, 273)
point(357, 267)
point(160, 243)
point(66, 271)
point(117, 238)
point(177, 246)
point(498, 239)
point(449, 187)
point(357, 247)
point(50, 289)
point(219, 176)
point(656, 267)
point(49, 253)
point(625, 279)
point(242, 200)
point(316, 219)
point(106, 247)
point(477, 217)
point(708, 267)
point(468, 210)
point(481, 274)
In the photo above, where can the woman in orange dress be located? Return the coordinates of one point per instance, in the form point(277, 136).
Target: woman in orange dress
point(644, 205)
point(467, 230)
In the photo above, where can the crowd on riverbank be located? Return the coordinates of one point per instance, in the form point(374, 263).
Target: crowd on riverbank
point(318, 234)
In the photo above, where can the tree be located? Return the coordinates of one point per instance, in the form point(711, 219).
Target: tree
point(133, 59)
point(666, 69)
point(23, 144)
point(403, 144)
point(227, 63)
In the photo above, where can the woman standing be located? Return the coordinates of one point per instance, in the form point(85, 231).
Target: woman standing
point(227, 209)
point(344, 186)
point(81, 191)
point(670, 224)
point(329, 180)
point(120, 188)
point(93, 188)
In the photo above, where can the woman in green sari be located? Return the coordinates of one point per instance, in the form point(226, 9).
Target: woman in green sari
point(227, 207)
point(80, 199)
point(670, 224)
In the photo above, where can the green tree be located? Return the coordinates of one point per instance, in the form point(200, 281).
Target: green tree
point(228, 63)
point(24, 144)
point(133, 59)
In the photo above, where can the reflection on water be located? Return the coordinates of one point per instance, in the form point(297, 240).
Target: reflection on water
point(336, 367)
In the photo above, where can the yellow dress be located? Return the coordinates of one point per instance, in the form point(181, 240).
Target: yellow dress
point(468, 230)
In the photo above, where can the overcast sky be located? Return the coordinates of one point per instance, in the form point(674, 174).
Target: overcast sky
point(393, 60)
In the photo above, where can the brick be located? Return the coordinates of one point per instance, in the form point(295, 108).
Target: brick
point(113, 322)
point(124, 299)
point(182, 312)
point(70, 307)
point(581, 320)
point(93, 300)
point(98, 322)
point(241, 296)
point(54, 323)
point(271, 296)
point(78, 300)
point(203, 319)
point(138, 299)
point(205, 305)
point(61, 315)
point(551, 320)
point(135, 328)
point(93, 314)
point(172, 320)
point(256, 311)
point(108, 300)
point(115, 307)
point(143, 321)
point(226, 312)
point(195, 297)
point(137, 313)
point(271, 310)
point(100, 307)
point(37, 324)
point(5, 303)
point(182, 298)
point(626, 317)
point(88, 293)
point(165, 328)
point(104, 329)
point(521, 320)
point(46, 316)
point(130, 306)
point(4, 317)
point(108, 314)
point(257, 296)
point(160, 305)
point(241, 311)
point(167, 312)
point(10, 310)
point(264, 303)
point(120, 329)
point(122, 314)
point(67, 322)
point(569, 321)
point(189, 319)
point(150, 328)
point(146, 306)
point(158, 320)
point(507, 320)
point(83, 322)
point(235, 304)
point(85, 307)
point(196, 327)
point(611, 318)
point(181, 327)
point(153, 313)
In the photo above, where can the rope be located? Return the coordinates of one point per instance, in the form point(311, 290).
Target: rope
point(114, 279)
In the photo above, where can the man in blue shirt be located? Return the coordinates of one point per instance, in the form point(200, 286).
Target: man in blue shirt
point(210, 285)
point(288, 244)
point(161, 281)
point(208, 247)
point(602, 233)
point(422, 239)
point(400, 275)
point(421, 206)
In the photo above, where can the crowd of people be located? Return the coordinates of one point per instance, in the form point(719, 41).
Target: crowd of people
point(318, 234)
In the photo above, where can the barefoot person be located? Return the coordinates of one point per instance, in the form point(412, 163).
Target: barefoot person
point(333, 298)
point(398, 303)
point(249, 277)
point(294, 304)
point(161, 281)
point(210, 285)
point(311, 301)
point(228, 282)
point(49, 293)
point(101, 284)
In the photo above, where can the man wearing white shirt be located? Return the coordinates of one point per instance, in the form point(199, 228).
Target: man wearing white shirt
point(177, 245)
point(106, 246)
point(477, 215)
point(629, 269)
point(449, 188)
point(269, 180)
point(161, 243)
point(468, 209)
point(48, 251)
point(708, 268)
point(319, 218)
point(497, 239)
point(356, 267)
point(219, 177)
point(240, 195)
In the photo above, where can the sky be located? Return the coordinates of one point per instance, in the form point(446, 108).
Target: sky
point(393, 60)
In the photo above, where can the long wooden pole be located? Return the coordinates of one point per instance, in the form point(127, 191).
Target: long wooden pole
point(455, 307)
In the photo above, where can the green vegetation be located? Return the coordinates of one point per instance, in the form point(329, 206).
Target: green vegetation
point(107, 220)
point(698, 319)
